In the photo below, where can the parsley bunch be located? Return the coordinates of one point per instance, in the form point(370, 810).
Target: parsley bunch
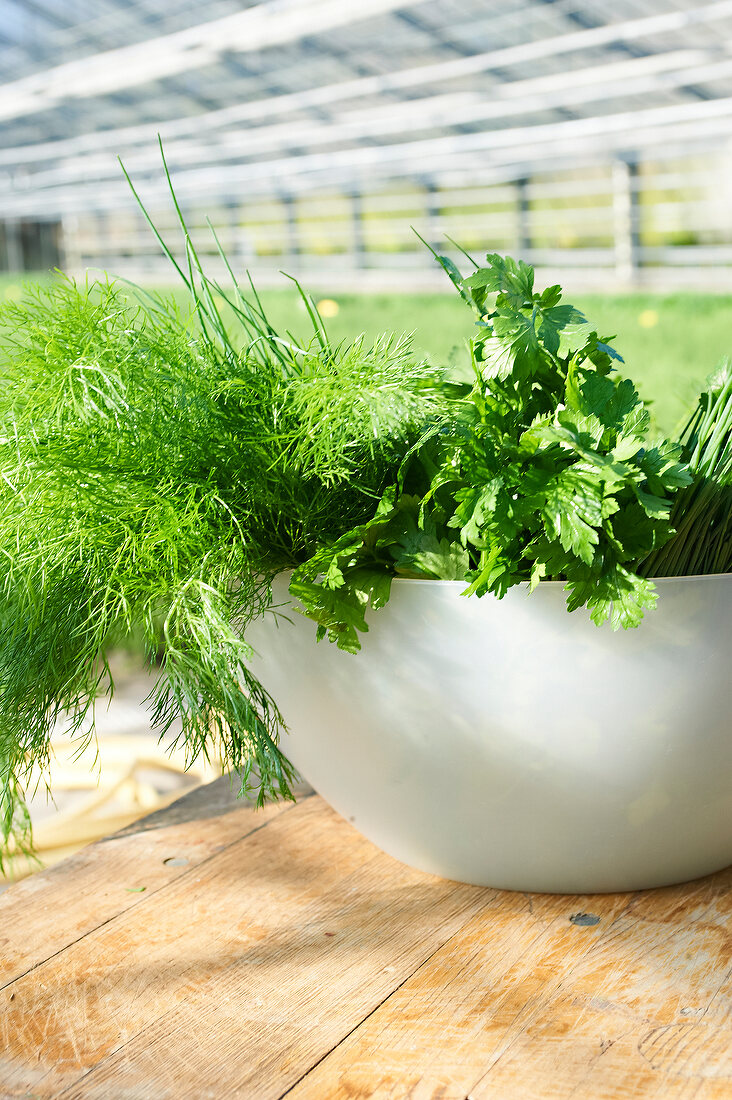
point(554, 472)
point(544, 469)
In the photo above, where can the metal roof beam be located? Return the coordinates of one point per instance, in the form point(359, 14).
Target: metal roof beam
point(266, 25)
point(598, 84)
point(664, 131)
point(626, 30)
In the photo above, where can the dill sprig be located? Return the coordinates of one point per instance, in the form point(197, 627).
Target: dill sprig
point(157, 470)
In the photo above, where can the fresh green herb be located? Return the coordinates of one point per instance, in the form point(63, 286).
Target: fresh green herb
point(158, 470)
point(702, 512)
point(544, 471)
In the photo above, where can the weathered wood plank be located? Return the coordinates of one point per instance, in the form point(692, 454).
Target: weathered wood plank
point(45, 913)
point(235, 979)
point(528, 1005)
point(439, 1032)
point(289, 956)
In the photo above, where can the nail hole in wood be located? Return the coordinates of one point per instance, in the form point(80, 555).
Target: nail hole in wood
point(584, 920)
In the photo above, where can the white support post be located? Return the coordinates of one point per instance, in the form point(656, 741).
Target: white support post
point(434, 211)
point(293, 232)
point(13, 245)
point(523, 219)
point(625, 220)
point(70, 252)
point(357, 238)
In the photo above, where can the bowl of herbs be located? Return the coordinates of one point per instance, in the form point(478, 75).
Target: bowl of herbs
point(502, 741)
point(539, 586)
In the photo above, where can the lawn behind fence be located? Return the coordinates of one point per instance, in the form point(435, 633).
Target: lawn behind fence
point(670, 343)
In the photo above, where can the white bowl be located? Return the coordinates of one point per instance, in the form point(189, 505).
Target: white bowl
point(507, 743)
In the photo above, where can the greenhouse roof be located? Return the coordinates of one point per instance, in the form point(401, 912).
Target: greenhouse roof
point(290, 97)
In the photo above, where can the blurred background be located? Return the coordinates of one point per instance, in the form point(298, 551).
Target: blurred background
point(592, 139)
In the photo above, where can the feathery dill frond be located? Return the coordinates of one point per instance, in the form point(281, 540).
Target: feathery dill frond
point(153, 480)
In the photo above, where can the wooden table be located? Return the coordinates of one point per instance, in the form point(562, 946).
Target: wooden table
point(214, 951)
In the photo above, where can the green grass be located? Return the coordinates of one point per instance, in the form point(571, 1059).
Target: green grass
point(669, 360)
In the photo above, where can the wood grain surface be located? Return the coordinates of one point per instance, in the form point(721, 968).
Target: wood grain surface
point(45, 913)
point(214, 951)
